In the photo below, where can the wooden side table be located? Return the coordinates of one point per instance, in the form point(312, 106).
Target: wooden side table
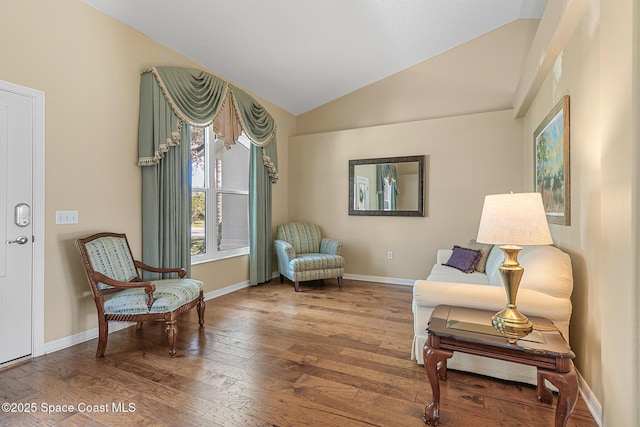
point(470, 331)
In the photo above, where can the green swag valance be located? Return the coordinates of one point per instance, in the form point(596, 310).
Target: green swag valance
point(172, 99)
point(198, 98)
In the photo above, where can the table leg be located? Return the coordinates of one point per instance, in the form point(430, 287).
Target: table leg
point(567, 385)
point(544, 394)
point(433, 356)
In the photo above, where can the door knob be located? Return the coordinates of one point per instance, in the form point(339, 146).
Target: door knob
point(19, 240)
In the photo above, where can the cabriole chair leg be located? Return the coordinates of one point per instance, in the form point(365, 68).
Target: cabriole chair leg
point(103, 334)
point(172, 334)
point(201, 307)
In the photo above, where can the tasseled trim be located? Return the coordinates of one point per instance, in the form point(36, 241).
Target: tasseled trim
point(183, 118)
point(163, 148)
point(174, 107)
point(271, 168)
point(263, 143)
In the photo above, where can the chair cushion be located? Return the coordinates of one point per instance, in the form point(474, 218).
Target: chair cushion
point(111, 256)
point(316, 261)
point(169, 295)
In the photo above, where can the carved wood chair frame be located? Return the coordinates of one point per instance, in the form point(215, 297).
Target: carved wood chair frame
point(169, 317)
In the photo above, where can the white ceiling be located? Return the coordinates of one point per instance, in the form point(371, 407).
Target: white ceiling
point(300, 54)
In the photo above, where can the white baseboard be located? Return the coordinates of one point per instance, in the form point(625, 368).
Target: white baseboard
point(81, 337)
point(379, 279)
point(227, 290)
point(590, 399)
point(90, 334)
point(376, 279)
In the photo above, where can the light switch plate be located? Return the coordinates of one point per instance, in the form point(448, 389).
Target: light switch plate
point(66, 217)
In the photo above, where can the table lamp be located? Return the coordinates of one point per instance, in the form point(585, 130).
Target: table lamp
point(513, 220)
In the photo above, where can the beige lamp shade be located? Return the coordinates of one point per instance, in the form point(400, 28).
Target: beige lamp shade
point(514, 219)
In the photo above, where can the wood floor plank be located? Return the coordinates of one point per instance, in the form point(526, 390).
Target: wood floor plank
point(337, 390)
point(371, 408)
point(269, 356)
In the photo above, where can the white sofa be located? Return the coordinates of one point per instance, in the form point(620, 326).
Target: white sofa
point(545, 290)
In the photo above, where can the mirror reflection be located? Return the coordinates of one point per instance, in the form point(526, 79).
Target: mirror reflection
point(387, 186)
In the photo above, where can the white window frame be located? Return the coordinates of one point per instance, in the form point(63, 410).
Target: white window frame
point(213, 254)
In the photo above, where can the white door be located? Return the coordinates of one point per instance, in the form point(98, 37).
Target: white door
point(16, 228)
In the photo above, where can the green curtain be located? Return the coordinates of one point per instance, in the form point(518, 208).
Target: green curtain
point(260, 128)
point(389, 172)
point(171, 99)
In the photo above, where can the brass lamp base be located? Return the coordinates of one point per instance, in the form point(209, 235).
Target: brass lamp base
point(512, 324)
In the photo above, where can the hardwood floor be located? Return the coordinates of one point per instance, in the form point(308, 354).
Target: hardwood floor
point(267, 356)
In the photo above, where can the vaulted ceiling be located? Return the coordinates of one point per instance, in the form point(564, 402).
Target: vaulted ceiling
point(300, 54)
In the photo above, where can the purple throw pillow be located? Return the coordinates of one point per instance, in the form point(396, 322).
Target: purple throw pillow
point(464, 259)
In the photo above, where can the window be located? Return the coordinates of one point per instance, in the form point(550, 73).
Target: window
point(219, 196)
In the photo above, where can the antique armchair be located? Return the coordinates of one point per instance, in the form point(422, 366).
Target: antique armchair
point(122, 296)
point(304, 255)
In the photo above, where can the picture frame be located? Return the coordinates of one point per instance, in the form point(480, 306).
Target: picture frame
point(552, 163)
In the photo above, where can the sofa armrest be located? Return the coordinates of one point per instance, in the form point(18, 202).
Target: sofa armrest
point(530, 302)
point(443, 255)
point(331, 247)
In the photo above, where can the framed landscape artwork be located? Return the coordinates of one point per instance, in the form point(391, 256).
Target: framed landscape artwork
point(552, 177)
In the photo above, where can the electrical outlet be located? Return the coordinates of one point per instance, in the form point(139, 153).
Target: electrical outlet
point(389, 255)
point(66, 217)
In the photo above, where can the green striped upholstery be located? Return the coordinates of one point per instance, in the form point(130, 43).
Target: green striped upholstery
point(111, 256)
point(169, 295)
point(304, 255)
point(328, 246)
point(107, 257)
point(305, 238)
point(306, 262)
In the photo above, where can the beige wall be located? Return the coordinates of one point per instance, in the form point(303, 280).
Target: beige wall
point(595, 68)
point(468, 156)
point(577, 74)
point(475, 77)
point(88, 65)
point(619, 101)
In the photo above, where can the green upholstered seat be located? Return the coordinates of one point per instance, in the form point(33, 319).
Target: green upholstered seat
point(304, 255)
point(121, 295)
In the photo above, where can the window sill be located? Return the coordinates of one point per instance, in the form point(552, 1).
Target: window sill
point(221, 256)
